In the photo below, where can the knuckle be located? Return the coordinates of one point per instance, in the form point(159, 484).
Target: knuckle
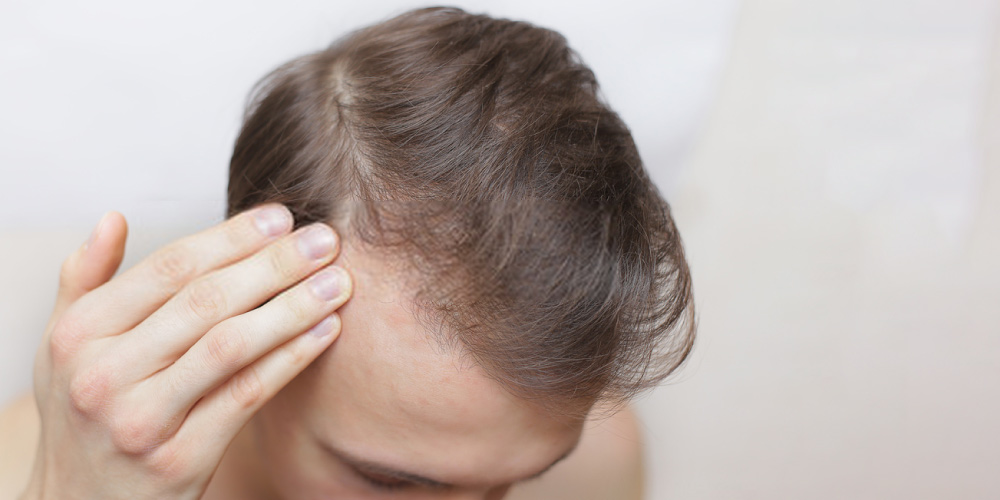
point(170, 463)
point(298, 309)
point(246, 388)
point(205, 300)
point(281, 265)
point(173, 265)
point(297, 354)
point(67, 337)
point(236, 233)
point(228, 348)
point(90, 391)
point(133, 434)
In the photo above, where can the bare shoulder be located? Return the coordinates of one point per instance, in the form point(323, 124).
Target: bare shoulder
point(607, 465)
point(18, 438)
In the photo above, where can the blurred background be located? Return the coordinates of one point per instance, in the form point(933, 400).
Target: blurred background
point(833, 168)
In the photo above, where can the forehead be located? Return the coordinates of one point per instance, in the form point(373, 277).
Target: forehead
point(388, 390)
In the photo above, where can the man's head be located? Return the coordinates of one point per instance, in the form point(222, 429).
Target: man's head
point(389, 409)
point(470, 162)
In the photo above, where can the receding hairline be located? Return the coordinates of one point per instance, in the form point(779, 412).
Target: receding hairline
point(576, 128)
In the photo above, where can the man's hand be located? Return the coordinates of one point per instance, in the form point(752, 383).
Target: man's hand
point(142, 381)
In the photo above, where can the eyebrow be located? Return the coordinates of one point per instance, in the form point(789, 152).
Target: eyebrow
point(382, 469)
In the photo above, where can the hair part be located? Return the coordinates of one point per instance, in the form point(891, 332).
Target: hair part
point(479, 150)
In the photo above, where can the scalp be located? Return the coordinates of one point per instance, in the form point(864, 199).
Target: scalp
point(479, 152)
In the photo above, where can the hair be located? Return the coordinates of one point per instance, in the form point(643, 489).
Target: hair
point(480, 151)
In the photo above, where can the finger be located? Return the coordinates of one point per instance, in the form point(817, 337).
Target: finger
point(123, 302)
point(216, 419)
point(169, 332)
point(94, 262)
point(239, 341)
point(86, 269)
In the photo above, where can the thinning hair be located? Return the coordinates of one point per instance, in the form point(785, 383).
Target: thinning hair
point(479, 150)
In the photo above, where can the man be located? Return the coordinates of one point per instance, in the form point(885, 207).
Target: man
point(439, 218)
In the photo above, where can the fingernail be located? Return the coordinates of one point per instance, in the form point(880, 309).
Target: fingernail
point(272, 220)
point(316, 241)
point(323, 328)
point(326, 284)
point(95, 232)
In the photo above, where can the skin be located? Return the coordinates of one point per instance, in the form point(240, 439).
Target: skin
point(385, 404)
point(389, 394)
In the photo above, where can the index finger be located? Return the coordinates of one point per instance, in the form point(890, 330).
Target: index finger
point(126, 300)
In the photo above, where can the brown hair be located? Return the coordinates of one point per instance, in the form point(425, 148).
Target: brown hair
point(479, 150)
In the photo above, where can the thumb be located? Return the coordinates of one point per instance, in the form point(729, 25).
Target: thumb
point(94, 263)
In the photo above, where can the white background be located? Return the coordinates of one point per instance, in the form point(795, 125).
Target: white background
point(832, 165)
